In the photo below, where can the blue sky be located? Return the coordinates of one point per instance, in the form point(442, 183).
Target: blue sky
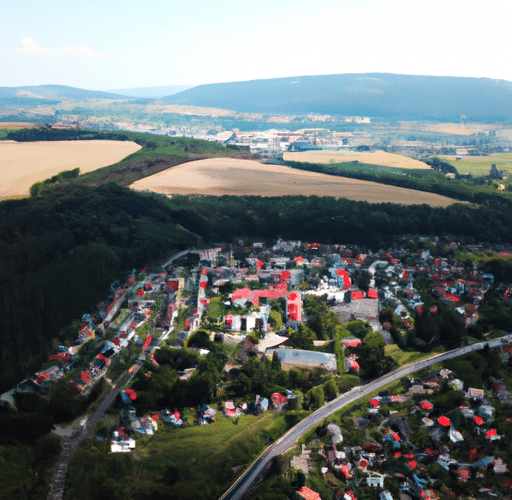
point(112, 44)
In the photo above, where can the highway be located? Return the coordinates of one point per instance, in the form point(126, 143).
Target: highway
point(288, 440)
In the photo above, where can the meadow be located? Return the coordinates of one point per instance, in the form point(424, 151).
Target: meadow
point(481, 165)
point(23, 164)
point(229, 176)
point(190, 463)
point(370, 157)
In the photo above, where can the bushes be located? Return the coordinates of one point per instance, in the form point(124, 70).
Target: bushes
point(315, 398)
point(340, 356)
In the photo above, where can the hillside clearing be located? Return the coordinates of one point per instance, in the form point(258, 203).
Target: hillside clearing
point(481, 165)
point(24, 163)
point(228, 176)
point(341, 156)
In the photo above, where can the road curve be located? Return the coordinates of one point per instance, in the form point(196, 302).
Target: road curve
point(289, 439)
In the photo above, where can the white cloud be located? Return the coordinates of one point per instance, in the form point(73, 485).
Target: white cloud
point(31, 47)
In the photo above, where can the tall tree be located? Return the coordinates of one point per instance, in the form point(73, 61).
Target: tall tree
point(372, 359)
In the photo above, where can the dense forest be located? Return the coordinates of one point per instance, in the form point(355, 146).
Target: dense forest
point(67, 134)
point(333, 220)
point(473, 190)
point(59, 254)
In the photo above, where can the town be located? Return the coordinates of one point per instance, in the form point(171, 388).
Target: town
point(306, 322)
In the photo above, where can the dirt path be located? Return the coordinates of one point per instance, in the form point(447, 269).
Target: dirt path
point(71, 438)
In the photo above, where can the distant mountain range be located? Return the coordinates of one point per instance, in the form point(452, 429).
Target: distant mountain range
point(368, 94)
point(35, 95)
point(151, 92)
point(383, 95)
point(49, 94)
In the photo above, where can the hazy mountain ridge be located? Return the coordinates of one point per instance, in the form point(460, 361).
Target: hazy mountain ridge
point(155, 92)
point(368, 94)
point(33, 95)
point(385, 95)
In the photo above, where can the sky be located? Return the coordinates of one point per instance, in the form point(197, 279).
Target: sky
point(111, 44)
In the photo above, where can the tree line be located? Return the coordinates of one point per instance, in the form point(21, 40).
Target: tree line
point(432, 181)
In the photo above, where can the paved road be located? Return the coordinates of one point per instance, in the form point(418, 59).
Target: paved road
point(248, 478)
point(175, 257)
point(288, 440)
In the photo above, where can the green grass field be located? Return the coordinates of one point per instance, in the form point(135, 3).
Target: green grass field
point(404, 357)
point(481, 165)
point(190, 463)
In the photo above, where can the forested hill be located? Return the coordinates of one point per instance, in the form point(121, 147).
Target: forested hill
point(61, 250)
point(59, 254)
point(384, 95)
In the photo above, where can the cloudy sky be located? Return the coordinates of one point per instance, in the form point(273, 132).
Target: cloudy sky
point(110, 44)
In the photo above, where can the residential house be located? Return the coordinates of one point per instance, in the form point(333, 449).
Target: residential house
point(473, 393)
point(121, 442)
point(375, 479)
point(229, 408)
point(308, 494)
point(385, 495)
point(335, 433)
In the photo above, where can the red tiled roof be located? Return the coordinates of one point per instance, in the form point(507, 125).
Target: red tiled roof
point(444, 421)
point(308, 493)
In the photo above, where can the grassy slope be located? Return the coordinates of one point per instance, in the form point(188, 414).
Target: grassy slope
point(157, 154)
point(481, 165)
point(202, 458)
point(405, 357)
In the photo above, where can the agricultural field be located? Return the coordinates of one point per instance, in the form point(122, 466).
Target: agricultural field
point(228, 176)
point(16, 125)
point(373, 158)
point(453, 128)
point(481, 165)
point(25, 163)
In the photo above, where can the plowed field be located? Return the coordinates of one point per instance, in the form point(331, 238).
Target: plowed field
point(227, 176)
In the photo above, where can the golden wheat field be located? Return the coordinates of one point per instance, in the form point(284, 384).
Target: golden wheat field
point(16, 125)
point(228, 176)
point(24, 163)
point(371, 157)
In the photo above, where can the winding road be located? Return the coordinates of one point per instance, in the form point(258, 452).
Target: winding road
point(288, 440)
